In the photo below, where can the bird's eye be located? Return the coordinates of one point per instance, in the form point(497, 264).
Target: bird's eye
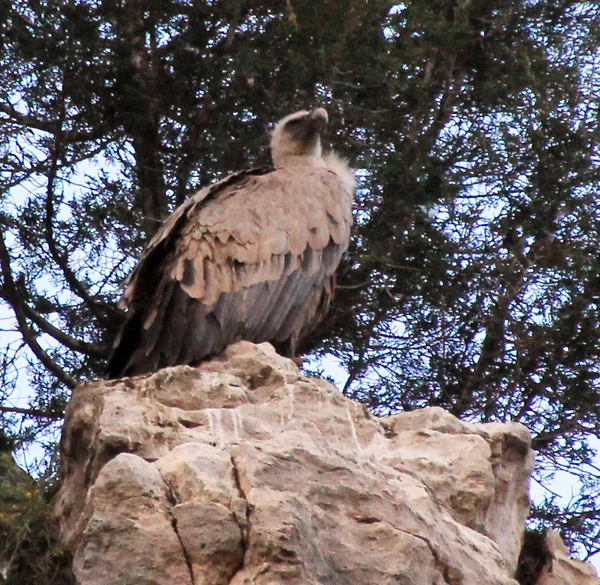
point(294, 122)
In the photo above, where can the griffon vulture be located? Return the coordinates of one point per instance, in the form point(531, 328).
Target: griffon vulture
point(251, 257)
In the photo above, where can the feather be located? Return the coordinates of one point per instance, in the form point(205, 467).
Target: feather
point(278, 306)
point(262, 313)
point(250, 257)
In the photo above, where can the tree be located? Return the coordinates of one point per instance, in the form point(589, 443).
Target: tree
point(473, 273)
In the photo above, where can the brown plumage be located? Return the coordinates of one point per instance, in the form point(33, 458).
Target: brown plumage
point(251, 257)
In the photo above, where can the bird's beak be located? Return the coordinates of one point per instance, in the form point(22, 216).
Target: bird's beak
point(318, 119)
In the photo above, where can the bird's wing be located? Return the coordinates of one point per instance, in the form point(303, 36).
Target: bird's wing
point(250, 258)
point(155, 251)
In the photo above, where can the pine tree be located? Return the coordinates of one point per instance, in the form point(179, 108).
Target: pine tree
point(472, 281)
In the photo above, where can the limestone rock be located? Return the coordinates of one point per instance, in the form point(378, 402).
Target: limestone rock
point(244, 471)
point(561, 570)
point(130, 533)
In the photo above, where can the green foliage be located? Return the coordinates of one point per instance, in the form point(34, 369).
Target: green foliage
point(29, 554)
point(472, 279)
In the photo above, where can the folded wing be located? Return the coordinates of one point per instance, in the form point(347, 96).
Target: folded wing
point(252, 257)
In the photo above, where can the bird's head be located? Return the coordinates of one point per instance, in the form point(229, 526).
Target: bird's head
point(296, 140)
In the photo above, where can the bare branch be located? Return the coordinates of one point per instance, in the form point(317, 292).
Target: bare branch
point(72, 280)
point(42, 165)
point(47, 327)
point(35, 412)
point(29, 336)
point(91, 349)
point(52, 126)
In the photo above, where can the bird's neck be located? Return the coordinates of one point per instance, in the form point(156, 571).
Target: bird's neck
point(296, 160)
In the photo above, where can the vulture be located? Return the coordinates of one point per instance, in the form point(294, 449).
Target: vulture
point(251, 257)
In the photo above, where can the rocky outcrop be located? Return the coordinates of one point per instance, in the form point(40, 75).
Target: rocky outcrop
point(244, 471)
point(559, 569)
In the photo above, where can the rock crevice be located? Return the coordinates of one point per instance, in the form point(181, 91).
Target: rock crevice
point(241, 513)
point(172, 498)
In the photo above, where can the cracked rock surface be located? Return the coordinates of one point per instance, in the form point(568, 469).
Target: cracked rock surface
point(243, 471)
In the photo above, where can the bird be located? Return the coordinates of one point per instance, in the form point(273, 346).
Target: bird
point(251, 257)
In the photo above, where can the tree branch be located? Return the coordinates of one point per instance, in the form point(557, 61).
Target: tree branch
point(57, 256)
point(52, 126)
point(77, 345)
point(35, 412)
point(41, 166)
point(92, 349)
point(29, 336)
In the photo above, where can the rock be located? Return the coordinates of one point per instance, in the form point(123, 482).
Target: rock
point(244, 471)
point(560, 569)
point(130, 533)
